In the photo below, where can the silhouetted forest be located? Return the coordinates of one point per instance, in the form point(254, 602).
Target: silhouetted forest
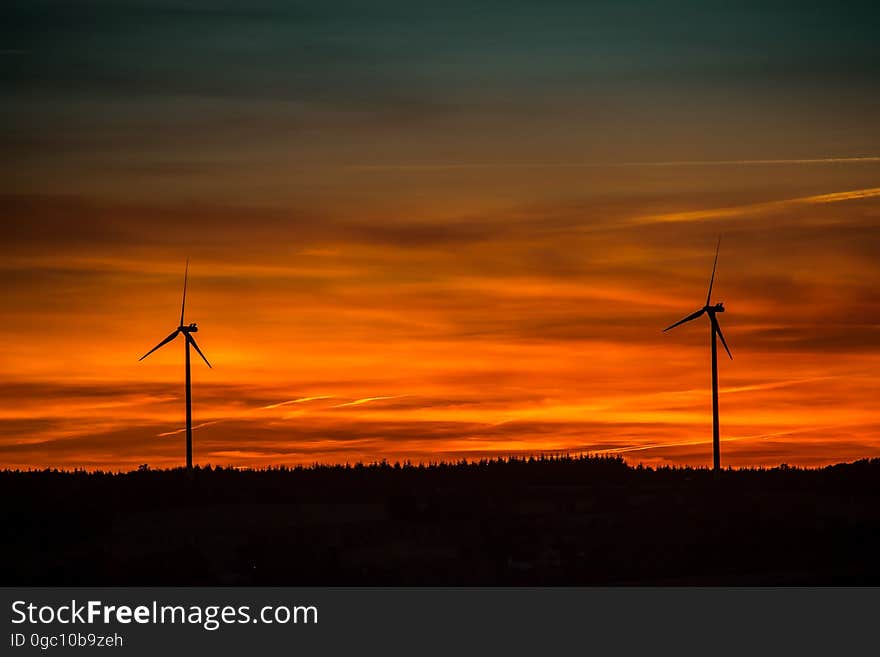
point(559, 521)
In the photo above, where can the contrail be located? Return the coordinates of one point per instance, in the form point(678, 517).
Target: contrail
point(779, 384)
point(451, 166)
point(757, 208)
point(296, 401)
point(639, 448)
point(815, 160)
point(198, 426)
point(365, 400)
point(247, 414)
point(289, 402)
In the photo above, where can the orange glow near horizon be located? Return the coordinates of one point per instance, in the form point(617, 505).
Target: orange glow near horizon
point(476, 328)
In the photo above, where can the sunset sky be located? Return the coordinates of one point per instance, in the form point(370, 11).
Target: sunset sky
point(430, 233)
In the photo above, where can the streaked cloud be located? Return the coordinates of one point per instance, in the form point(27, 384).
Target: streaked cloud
point(759, 208)
point(367, 400)
point(177, 432)
point(537, 165)
point(301, 400)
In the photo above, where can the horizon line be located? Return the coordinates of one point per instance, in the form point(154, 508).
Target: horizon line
point(600, 455)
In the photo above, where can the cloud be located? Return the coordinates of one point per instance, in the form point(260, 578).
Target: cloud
point(759, 208)
point(177, 432)
point(870, 159)
point(729, 439)
point(301, 400)
point(435, 167)
point(367, 400)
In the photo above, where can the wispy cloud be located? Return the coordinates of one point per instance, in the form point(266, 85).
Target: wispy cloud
point(453, 166)
point(731, 439)
point(779, 384)
point(815, 160)
point(301, 400)
point(198, 426)
point(757, 208)
point(367, 400)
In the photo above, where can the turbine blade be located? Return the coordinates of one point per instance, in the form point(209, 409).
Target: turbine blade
point(711, 280)
point(192, 341)
point(183, 305)
point(161, 344)
point(686, 319)
point(721, 335)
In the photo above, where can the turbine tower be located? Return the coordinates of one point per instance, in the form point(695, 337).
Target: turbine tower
point(715, 332)
point(186, 331)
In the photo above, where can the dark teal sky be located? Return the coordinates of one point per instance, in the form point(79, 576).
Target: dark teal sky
point(389, 53)
point(176, 86)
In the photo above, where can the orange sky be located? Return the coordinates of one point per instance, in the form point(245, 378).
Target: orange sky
point(514, 327)
point(438, 231)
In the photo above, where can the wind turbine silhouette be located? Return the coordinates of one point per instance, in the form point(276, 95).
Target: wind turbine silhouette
point(711, 311)
point(187, 331)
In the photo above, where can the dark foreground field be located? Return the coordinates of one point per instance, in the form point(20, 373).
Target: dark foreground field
point(546, 521)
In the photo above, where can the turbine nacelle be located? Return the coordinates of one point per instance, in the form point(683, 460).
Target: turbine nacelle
point(185, 329)
point(709, 309)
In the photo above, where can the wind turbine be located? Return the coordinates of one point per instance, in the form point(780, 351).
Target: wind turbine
point(186, 331)
point(715, 329)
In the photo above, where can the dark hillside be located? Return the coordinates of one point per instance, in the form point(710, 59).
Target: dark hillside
point(561, 521)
